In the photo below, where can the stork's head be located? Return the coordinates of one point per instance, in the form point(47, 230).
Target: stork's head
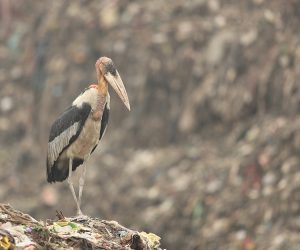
point(107, 72)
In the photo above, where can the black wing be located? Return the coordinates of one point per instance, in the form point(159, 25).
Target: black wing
point(65, 130)
point(104, 122)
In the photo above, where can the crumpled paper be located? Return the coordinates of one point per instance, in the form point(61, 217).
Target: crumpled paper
point(15, 232)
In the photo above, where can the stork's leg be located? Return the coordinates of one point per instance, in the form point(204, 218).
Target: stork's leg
point(71, 183)
point(81, 184)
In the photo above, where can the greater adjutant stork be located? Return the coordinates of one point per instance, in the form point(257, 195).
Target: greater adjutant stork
point(78, 130)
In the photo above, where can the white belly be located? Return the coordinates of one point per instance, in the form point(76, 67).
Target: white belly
point(86, 141)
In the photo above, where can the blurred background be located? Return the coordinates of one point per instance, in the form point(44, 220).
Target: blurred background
point(209, 156)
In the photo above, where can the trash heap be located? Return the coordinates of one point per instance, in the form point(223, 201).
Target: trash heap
point(21, 231)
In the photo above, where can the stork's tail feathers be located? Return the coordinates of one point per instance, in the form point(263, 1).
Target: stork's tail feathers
point(57, 172)
point(60, 169)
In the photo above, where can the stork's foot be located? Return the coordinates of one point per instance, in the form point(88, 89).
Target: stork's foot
point(81, 217)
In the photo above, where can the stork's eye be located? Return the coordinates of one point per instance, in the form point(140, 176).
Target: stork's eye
point(110, 67)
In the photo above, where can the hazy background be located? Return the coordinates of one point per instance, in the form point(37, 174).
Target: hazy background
point(209, 156)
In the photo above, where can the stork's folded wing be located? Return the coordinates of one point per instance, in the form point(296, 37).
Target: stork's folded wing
point(65, 130)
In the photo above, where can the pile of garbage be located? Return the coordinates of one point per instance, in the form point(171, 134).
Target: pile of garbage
point(21, 231)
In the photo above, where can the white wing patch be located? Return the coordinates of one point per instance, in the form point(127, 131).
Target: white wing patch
point(56, 146)
point(90, 94)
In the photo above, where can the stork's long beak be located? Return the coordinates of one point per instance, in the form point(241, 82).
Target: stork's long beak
point(116, 82)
